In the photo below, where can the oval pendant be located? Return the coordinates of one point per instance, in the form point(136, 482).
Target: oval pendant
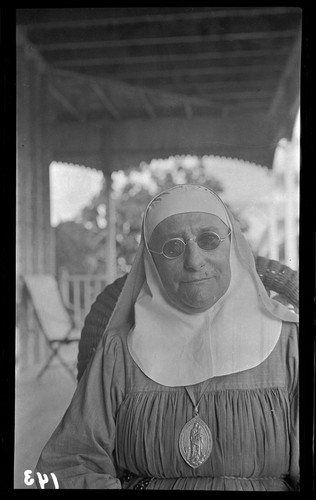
point(195, 442)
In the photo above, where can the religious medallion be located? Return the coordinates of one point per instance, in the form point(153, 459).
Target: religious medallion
point(195, 442)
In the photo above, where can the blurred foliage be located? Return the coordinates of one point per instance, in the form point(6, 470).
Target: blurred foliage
point(81, 244)
point(72, 247)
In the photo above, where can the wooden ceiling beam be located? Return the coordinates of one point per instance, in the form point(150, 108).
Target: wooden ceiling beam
point(167, 58)
point(197, 72)
point(65, 102)
point(205, 135)
point(107, 103)
point(154, 18)
point(126, 87)
point(228, 105)
point(242, 109)
point(147, 105)
point(255, 35)
point(235, 85)
point(256, 94)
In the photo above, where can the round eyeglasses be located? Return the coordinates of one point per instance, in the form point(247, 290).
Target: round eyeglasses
point(176, 246)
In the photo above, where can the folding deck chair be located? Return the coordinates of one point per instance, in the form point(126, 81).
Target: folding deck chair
point(54, 318)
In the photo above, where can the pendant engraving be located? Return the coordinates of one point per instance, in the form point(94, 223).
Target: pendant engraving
point(195, 442)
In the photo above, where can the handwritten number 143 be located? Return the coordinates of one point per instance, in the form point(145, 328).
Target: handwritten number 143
point(42, 479)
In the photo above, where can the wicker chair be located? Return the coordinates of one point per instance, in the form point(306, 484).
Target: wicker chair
point(276, 277)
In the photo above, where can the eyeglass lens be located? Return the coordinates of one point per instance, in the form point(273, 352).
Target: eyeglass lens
point(206, 241)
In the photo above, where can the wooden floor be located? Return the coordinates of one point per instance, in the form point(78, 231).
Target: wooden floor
point(39, 406)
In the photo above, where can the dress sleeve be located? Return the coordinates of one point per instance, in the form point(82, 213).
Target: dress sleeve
point(294, 407)
point(81, 451)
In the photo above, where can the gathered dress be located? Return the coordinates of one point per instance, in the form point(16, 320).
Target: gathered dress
point(122, 426)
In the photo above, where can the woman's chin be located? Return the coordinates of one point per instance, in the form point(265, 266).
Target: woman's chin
point(195, 306)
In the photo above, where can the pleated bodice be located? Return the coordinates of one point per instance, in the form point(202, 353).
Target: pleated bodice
point(249, 416)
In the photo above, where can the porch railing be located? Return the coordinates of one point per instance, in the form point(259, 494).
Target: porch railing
point(79, 292)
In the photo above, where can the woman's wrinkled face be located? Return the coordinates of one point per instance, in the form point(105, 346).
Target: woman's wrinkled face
point(197, 279)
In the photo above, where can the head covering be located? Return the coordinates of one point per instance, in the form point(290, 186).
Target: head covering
point(183, 199)
point(175, 348)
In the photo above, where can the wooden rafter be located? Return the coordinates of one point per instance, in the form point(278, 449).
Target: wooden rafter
point(235, 85)
point(107, 103)
point(147, 104)
point(256, 35)
point(91, 60)
point(167, 17)
point(65, 102)
point(128, 88)
point(196, 72)
point(231, 94)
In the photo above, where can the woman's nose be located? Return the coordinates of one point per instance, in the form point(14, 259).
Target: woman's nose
point(193, 257)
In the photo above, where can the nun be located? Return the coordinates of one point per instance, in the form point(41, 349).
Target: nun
point(194, 384)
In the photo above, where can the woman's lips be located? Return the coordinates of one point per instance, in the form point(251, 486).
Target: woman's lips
point(198, 280)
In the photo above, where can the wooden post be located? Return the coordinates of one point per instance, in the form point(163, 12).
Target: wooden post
point(273, 230)
point(63, 281)
point(276, 206)
point(77, 302)
point(291, 210)
point(36, 191)
point(25, 169)
point(110, 257)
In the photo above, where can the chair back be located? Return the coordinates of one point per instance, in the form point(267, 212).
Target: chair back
point(48, 305)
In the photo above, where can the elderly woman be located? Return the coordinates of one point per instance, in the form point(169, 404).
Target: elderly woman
point(194, 383)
